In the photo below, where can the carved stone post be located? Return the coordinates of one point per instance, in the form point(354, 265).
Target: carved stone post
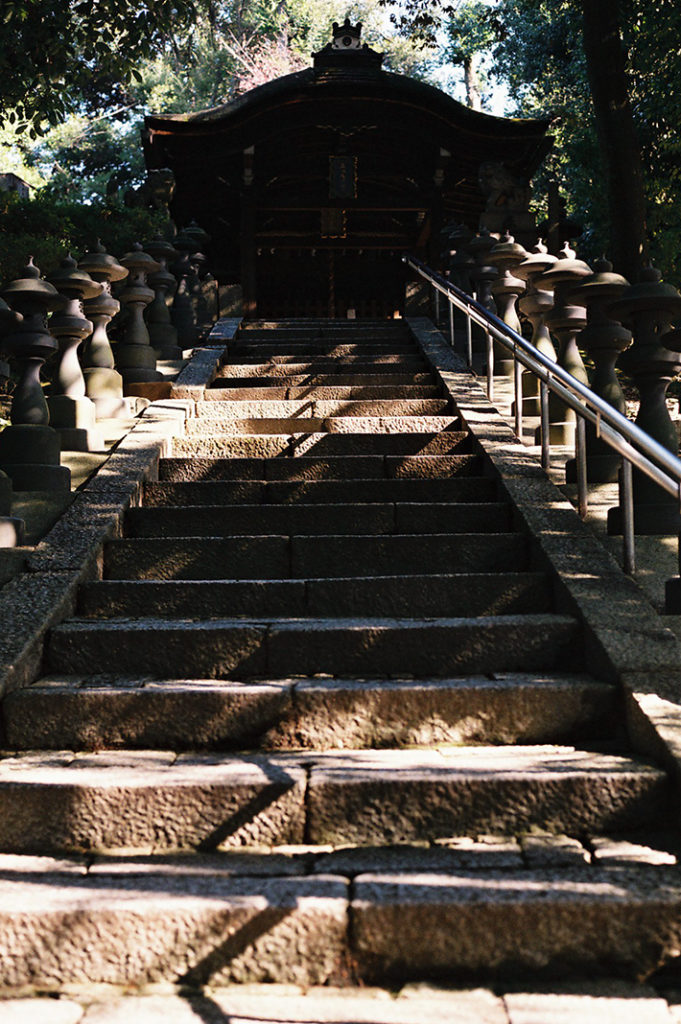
point(11, 528)
point(604, 339)
point(135, 358)
point(506, 256)
point(565, 321)
point(182, 313)
point(72, 414)
point(483, 275)
point(650, 307)
point(30, 449)
point(534, 305)
point(103, 383)
point(162, 333)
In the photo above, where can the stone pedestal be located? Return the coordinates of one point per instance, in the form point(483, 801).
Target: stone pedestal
point(506, 255)
point(483, 275)
point(604, 339)
point(135, 358)
point(565, 321)
point(162, 332)
point(103, 383)
point(649, 307)
point(30, 448)
point(11, 528)
point(534, 305)
point(72, 414)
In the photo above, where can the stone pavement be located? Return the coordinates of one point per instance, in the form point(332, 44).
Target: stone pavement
point(578, 1003)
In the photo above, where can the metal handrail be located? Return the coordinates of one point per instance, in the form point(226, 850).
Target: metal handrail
point(636, 447)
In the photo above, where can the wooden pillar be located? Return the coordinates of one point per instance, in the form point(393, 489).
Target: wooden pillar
point(248, 253)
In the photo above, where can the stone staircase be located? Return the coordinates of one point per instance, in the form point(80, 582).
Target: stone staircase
point(321, 722)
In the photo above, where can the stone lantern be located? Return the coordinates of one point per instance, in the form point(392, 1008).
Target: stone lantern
point(604, 339)
point(186, 270)
point(534, 305)
point(650, 307)
point(103, 383)
point(72, 413)
point(135, 358)
point(506, 256)
point(483, 275)
point(162, 332)
point(565, 321)
point(30, 448)
point(11, 529)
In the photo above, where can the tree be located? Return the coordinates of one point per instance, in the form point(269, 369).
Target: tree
point(51, 54)
point(469, 36)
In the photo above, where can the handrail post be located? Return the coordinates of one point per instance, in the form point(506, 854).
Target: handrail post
point(580, 458)
point(451, 323)
point(437, 305)
point(518, 386)
point(469, 340)
point(544, 426)
point(490, 366)
point(627, 506)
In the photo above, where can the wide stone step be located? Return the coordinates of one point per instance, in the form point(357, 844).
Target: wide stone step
point(210, 426)
point(217, 919)
point(333, 392)
point(215, 444)
point(313, 556)
point(262, 349)
point(244, 649)
point(367, 518)
point(251, 459)
point(308, 406)
point(326, 371)
point(230, 376)
point(125, 800)
point(462, 594)
point(345, 362)
point(253, 492)
point(95, 713)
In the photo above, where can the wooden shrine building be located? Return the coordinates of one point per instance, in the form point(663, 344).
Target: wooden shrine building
point(313, 185)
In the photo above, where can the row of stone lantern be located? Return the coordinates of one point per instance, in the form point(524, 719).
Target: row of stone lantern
point(80, 298)
point(599, 311)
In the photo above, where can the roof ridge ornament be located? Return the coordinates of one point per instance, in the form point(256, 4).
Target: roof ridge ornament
point(347, 36)
point(346, 51)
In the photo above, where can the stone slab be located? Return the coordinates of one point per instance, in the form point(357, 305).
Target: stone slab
point(104, 930)
point(170, 803)
point(388, 796)
point(215, 649)
point(201, 558)
point(348, 713)
point(589, 1003)
point(451, 926)
point(96, 713)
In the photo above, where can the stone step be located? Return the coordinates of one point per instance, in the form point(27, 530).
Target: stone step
point(375, 517)
point(210, 425)
point(216, 444)
point(327, 371)
point(261, 465)
point(161, 494)
point(458, 595)
point(345, 362)
point(308, 406)
point(332, 392)
point(95, 713)
point(61, 801)
point(246, 649)
point(310, 350)
point(313, 556)
point(217, 919)
point(229, 376)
